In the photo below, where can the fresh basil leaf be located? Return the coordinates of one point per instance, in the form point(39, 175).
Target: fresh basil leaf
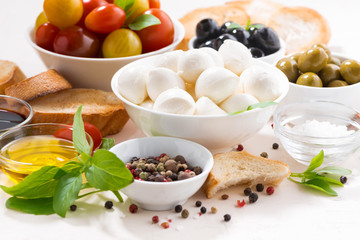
point(340, 171)
point(107, 143)
point(320, 185)
point(38, 206)
point(39, 184)
point(66, 192)
point(261, 105)
point(329, 180)
point(248, 23)
point(124, 4)
point(234, 113)
point(233, 25)
point(144, 21)
point(72, 167)
point(316, 162)
point(108, 172)
point(79, 136)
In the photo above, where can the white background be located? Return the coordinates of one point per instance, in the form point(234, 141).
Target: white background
point(291, 213)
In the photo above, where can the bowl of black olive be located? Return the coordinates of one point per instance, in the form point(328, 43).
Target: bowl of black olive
point(319, 74)
point(262, 41)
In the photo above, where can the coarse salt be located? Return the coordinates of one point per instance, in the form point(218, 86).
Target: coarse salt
point(314, 128)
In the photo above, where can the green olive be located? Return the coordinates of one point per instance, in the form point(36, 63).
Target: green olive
point(329, 72)
point(295, 56)
point(350, 71)
point(337, 83)
point(289, 67)
point(334, 60)
point(313, 60)
point(309, 79)
point(323, 46)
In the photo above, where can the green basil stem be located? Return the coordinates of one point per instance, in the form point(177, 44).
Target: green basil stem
point(117, 194)
point(86, 194)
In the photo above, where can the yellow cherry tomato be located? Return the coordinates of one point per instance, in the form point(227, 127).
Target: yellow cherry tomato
point(137, 9)
point(41, 19)
point(121, 43)
point(63, 13)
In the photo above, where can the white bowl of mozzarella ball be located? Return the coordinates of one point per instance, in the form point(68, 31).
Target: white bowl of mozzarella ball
point(202, 95)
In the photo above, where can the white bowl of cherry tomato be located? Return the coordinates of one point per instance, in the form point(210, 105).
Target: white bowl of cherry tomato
point(262, 41)
point(91, 39)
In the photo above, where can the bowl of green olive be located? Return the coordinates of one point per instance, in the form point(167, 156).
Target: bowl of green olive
point(319, 74)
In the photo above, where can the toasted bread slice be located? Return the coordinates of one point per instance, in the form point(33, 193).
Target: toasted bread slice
point(220, 14)
point(300, 28)
point(235, 168)
point(10, 74)
point(103, 109)
point(44, 83)
point(259, 11)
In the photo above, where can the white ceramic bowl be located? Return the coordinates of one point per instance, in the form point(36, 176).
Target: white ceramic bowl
point(164, 195)
point(95, 72)
point(216, 132)
point(268, 59)
point(336, 130)
point(346, 95)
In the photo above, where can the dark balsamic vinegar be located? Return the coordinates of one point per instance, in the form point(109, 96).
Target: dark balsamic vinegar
point(10, 119)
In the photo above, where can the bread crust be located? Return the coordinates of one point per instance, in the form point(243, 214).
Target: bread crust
point(44, 83)
point(10, 74)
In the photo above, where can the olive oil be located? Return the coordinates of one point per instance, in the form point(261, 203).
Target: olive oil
point(30, 153)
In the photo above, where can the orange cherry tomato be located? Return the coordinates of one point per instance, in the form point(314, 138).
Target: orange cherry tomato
point(154, 3)
point(88, 6)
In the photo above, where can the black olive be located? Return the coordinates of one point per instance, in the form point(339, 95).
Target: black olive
point(253, 27)
point(256, 52)
point(223, 28)
point(241, 35)
point(265, 39)
point(207, 29)
point(220, 40)
point(197, 43)
point(208, 43)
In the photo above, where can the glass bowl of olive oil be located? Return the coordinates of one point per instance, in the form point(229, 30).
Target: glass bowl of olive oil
point(28, 148)
point(14, 112)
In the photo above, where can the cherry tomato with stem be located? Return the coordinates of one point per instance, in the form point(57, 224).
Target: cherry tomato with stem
point(105, 19)
point(154, 3)
point(92, 130)
point(45, 35)
point(157, 36)
point(76, 41)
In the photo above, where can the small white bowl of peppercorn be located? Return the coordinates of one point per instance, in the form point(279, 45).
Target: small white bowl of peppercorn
point(167, 171)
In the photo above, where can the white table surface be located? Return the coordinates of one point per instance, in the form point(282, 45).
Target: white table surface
point(292, 212)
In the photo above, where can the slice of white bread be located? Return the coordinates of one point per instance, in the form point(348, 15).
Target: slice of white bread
point(300, 28)
point(44, 83)
point(103, 109)
point(10, 74)
point(236, 168)
point(220, 14)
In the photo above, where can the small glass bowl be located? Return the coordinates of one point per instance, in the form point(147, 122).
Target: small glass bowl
point(306, 128)
point(18, 170)
point(17, 106)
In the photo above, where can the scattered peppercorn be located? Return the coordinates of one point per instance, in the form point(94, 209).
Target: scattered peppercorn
point(133, 208)
point(165, 225)
point(108, 204)
point(240, 203)
point(73, 208)
point(270, 190)
point(253, 197)
point(227, 217)
point(203, 210)
point(198, 203)
point(185, 213)
point(264, 155)
point(247, 191)
point(275, 146)
point(343, 179)
point(224, 196)
point(178, 208)
point(240, 147)
point(155, 219)
point(259, 187)
point(214, 209)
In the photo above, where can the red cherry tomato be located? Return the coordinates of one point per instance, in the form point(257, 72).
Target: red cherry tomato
point(110, 1)
point(45, 35)
point(88, 6)
point(157, 36)
point(105, 19)
point(76, 41)
point(154, 3)
point(92, 130)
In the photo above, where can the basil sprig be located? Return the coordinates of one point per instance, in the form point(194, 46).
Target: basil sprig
point(254, 106)
point(320, 179)
point(53, 189)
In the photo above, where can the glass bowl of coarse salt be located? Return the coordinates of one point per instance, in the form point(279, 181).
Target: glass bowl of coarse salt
point(306, 128)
